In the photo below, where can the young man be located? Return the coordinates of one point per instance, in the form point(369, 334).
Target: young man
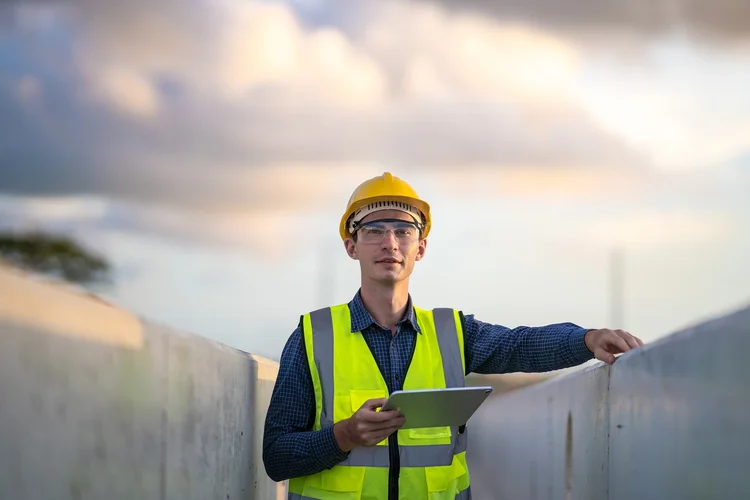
point(324, 431)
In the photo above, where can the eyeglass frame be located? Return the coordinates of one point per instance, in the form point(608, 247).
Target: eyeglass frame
point(360, 225)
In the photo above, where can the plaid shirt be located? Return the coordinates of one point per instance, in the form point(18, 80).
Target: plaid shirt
point(291, 449)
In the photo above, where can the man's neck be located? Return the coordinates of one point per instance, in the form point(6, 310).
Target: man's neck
point(386, 304)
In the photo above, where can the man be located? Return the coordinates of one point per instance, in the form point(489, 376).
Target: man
point(324, 430)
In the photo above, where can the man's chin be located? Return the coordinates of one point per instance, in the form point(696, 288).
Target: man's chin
point(387, 278)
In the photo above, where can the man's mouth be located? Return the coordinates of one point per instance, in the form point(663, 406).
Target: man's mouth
point(388, 261)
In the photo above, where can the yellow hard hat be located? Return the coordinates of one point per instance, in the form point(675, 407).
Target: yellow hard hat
point(382, 193)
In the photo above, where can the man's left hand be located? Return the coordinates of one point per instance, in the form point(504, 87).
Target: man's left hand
point(605, 343)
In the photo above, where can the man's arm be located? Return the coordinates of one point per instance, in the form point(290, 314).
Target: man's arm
point(290, 448)
point(498, 349)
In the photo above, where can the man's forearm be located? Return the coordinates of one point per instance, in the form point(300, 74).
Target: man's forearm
point(492, 348)
point(547, 348)
point(296, 454)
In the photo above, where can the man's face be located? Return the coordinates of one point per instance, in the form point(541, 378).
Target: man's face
point(387, 248)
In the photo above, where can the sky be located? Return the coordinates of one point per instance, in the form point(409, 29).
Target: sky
point(208, 149)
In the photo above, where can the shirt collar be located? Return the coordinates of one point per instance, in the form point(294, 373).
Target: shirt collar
point(361, 317)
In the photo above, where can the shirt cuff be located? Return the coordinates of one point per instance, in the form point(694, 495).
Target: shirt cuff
point(330, 452)
point(577, 345)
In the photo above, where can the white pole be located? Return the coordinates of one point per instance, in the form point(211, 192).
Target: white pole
point(616, 288)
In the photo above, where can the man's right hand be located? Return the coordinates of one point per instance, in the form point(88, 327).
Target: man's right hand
point(367, 427)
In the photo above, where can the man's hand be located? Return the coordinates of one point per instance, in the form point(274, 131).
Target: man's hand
point(606, 343)
point(367, 427)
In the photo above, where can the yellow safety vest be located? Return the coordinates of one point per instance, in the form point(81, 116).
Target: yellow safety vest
point(428, 463)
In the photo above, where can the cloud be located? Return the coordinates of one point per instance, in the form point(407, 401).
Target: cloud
point(470, 55)
point(264, 233)
point(720, 20)
point(201, 103)
point(686, 107)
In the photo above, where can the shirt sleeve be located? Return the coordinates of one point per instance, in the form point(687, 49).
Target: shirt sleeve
point(495, 349)
point(290, 447)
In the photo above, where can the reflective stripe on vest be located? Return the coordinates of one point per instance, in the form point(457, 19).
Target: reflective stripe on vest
point(463, 495)
point(411, 456)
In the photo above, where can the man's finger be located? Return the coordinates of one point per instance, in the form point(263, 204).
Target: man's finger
point(384, 433)
point(371, 415)
point(618, 342)
point(393, 426)
point(374, 404)
point(373, 439)
point(391, 420)
point(378, 434)
point(629, 339)
point(602, 355)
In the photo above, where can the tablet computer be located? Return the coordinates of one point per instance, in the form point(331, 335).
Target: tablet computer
point(437, 407)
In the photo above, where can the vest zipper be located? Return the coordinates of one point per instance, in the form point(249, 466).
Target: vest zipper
point(394, 467)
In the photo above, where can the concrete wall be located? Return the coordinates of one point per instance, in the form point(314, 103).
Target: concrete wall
point(667, 421)
point(96, 403)
point(543, 441)
point(680, 416)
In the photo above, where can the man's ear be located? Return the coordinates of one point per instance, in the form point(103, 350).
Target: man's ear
point(351, 248)
point(422, 249)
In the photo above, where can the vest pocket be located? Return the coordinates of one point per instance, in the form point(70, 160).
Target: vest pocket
point(340, 483)
point(430, 433)
point(442, 481)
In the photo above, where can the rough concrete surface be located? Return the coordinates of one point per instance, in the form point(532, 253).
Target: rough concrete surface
point(169, 416)
point(547, 441)
point(667, 421)
point(680, 415)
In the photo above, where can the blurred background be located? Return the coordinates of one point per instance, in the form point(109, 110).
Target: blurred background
point(189, 160)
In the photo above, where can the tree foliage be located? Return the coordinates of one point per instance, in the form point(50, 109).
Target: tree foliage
point(55, 255)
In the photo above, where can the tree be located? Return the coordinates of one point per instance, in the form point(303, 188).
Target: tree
point(55, 255)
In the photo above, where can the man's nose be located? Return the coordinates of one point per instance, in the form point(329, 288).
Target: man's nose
point(389, 239)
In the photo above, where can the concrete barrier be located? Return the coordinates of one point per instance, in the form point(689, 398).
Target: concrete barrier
point(542, 441)
point(96, 403)
point(265, 379)
point(667, 421)
point(680, 415)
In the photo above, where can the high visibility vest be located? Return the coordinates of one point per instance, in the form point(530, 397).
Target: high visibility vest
point(411, 464)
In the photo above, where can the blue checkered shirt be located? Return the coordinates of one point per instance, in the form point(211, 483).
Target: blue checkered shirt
point(292, 449)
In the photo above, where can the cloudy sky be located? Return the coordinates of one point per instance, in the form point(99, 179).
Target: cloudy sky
point(209, 147)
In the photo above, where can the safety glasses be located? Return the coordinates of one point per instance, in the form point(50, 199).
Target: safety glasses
point(375, 230)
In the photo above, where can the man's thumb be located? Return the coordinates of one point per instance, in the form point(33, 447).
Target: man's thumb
point(605, 356)
point(373, 404)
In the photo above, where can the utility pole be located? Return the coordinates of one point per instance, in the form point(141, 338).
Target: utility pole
point(324, 293)
point(616, 288)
